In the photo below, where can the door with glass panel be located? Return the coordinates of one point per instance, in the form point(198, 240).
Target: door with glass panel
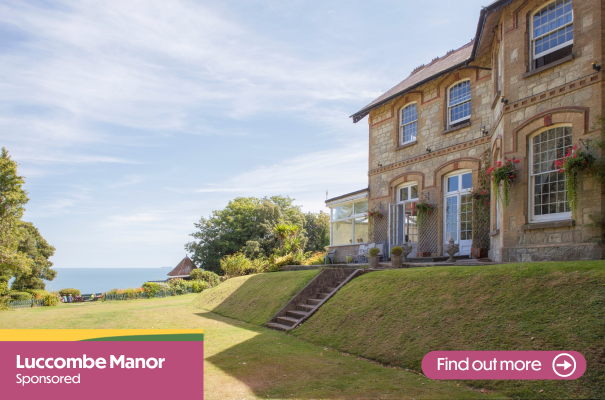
point(402, 224)
point(458, 211)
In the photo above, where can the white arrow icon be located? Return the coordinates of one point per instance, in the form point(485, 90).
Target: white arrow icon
point(565, 365)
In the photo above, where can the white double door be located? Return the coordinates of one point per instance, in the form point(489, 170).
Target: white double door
point(458, 220)
point(402, 226)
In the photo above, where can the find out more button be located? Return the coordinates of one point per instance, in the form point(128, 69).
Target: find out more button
point(504, 365)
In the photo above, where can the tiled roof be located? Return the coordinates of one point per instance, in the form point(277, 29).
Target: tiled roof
point(423, 73)
point(184, 268)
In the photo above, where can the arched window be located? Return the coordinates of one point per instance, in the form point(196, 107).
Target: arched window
point(409, 124)
point(552, 33)
point(548, 195)
point(459, 103)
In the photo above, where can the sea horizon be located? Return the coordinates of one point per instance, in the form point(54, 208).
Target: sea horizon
point(99, 280)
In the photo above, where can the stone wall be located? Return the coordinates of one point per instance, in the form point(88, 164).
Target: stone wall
point(566, 94)
point(343, 251)
point(569, 93)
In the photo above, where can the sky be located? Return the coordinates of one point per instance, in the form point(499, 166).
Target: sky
point(132, 119)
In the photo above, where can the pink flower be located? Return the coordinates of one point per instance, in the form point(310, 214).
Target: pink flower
point(517, 161)
point(489, 202)
point(574, 156)
point(575, 147)
point(499, 163)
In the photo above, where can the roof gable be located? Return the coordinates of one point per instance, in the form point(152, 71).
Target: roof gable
point(421, 75)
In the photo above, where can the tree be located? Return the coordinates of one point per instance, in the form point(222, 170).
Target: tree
point(12, 205)
point(242, 221)
point(226, 231)
point(317, 226)
point(39, 251)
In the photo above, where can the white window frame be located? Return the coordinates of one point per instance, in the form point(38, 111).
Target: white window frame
point(549, 217)
point(352, 217)
point(533, 39)
point(402, 125)
point(450, 106)
point(408, 186)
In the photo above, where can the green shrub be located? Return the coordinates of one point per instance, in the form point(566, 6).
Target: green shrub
point(316, 258)
point(37, 294)
point(178, 286)
point(238, 265)
point(19, 296)
point(151, 288)
point(396, 251)
point(67, 292)
point(279, 262)
point(209, 277)
point(373, 251)
point(198, 286)
point(51, 299)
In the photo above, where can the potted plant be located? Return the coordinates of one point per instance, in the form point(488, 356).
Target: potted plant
point(573, 162)
point(373, 257)
point(396, 258)
point(349, 259)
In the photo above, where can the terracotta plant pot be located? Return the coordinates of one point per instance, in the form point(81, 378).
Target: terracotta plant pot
point(478, 252)
point(396, 261)
point(374, 261)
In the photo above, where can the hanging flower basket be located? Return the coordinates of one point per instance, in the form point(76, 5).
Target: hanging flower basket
point(573, 162)
point(481, 195)
point(375, 215)
point(504, 174)
point(423, 209)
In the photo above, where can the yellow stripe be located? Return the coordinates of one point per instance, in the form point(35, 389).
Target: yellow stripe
point(71, 335)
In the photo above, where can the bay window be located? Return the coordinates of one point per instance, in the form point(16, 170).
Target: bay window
point(349, 223)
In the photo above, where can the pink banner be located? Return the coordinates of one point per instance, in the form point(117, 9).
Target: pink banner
point(510, 365)
point(102, 370)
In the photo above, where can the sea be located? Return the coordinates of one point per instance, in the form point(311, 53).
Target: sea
point(99, 280)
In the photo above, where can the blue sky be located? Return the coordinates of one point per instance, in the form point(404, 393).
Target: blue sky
point(131, 119)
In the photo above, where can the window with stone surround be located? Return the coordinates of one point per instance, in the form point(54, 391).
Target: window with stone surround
point(551, 33)
point(409, 124)
point(548, 194)
point(349, 223)
point(459, 103)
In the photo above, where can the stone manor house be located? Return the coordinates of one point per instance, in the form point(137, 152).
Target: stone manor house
point(527, 87)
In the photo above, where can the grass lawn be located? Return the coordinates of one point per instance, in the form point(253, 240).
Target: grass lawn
point(244, 361)
point(398, 316)
point(254, 298)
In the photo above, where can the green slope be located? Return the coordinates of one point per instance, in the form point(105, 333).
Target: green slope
point(254, 298)
point(398, 316)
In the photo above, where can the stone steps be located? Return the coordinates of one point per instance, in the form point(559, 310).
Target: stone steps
point(304, 304)
point(279, 327)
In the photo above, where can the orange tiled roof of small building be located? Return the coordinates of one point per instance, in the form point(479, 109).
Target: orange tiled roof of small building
point(184, 268)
